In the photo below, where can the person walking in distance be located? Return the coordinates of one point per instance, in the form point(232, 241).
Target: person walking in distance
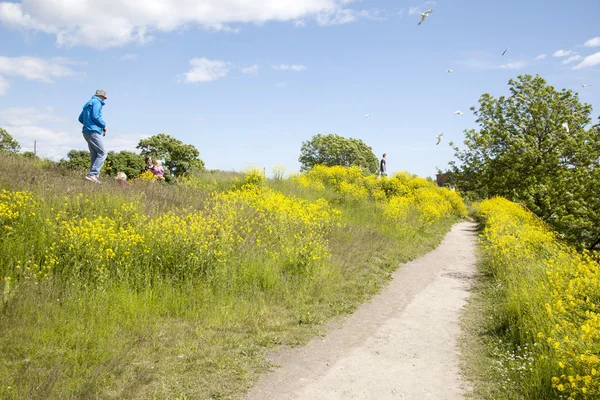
point(383, 166)
point(94, 129)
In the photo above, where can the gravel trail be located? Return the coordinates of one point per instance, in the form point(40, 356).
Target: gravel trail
point(400, 345)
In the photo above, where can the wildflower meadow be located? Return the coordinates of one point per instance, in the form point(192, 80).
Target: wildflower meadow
point(543, 307)
point(157, 290)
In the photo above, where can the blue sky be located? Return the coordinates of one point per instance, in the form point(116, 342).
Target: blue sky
point(247, 82)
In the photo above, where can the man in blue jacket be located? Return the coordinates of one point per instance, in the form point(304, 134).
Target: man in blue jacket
point(94, 128)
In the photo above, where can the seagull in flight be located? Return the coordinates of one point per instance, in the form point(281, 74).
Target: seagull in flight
point(449, 71)
point(566, 126)
point(439, 138)
point(584, 85)
point(505, 51)
point(458, 113)
point(425, 15)
point(367, 116)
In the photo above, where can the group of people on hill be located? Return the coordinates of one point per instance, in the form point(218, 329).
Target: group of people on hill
point(94, 129)
point(155, 167)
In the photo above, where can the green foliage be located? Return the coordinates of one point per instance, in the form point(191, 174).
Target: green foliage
point(29, 154)
point(77, 160)
point(537, 317)
point(7, 143)
point(178, 157)
point(536, 147)
point(191, 327)
point(332, 150)
point(126, 161)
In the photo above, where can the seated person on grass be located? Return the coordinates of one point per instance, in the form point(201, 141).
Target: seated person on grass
point(158, 170)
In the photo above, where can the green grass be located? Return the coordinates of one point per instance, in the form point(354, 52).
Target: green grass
point(488, 363)
point(529, 326)
point(200, 338)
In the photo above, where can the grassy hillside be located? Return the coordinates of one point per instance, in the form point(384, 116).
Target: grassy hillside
point(536, 311)
point(178, 291)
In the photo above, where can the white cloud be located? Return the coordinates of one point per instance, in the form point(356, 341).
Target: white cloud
point(29, 124)
point(23, 124)
point(589, 61)
point(129, 57)
point(51, 143)
point(421, 8)
point(122, 141)
point(3, 86)
point(35, 68)
point(513, 65)
point(252, 70)
point(540, 57)
point(346, 16)
point(288, 67)
point(109, 23)
point(573, 58)
point(594, 42)
point(562, 53)
point(205, 70)
point(19, 116)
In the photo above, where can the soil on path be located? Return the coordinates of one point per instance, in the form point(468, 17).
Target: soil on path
point(400, 345)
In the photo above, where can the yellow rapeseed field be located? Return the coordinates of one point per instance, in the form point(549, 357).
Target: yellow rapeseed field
point(552, 295)
point(402, 198)
point(250, 221)
point(177, 291)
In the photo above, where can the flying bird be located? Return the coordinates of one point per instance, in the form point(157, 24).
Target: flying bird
point(584, 85)
point(505, 51)
point(566, 126)
point(449, 71)
point(439, 138)
point(458, 113)
point(367, 116)
point(425, 15)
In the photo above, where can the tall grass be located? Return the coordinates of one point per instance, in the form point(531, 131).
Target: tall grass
point(178, 291)
point(541, 310)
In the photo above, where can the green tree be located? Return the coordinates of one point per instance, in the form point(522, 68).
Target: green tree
point(126, 161)
point(178, 157)
point(29, 154)
point(130, 163)
point(7, 143)
point(77, 160)
point(333, 150)
point(537, 147)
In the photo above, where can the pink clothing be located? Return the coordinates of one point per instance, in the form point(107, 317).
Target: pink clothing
point(159, 171)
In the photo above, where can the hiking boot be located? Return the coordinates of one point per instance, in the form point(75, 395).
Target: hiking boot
point(93, 178)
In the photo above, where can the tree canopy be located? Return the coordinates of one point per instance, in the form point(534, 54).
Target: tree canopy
point(178, 157)
point(76, 159)
point(333, 150)
point(537, 147)
point(126, 161)
point(7, 143)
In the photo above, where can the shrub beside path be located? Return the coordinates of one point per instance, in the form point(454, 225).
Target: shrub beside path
point(400, 345)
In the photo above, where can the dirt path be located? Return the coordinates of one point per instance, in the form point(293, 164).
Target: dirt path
point(401, 345)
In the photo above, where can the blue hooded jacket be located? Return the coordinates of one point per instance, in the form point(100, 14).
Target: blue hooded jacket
point(91, 116)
